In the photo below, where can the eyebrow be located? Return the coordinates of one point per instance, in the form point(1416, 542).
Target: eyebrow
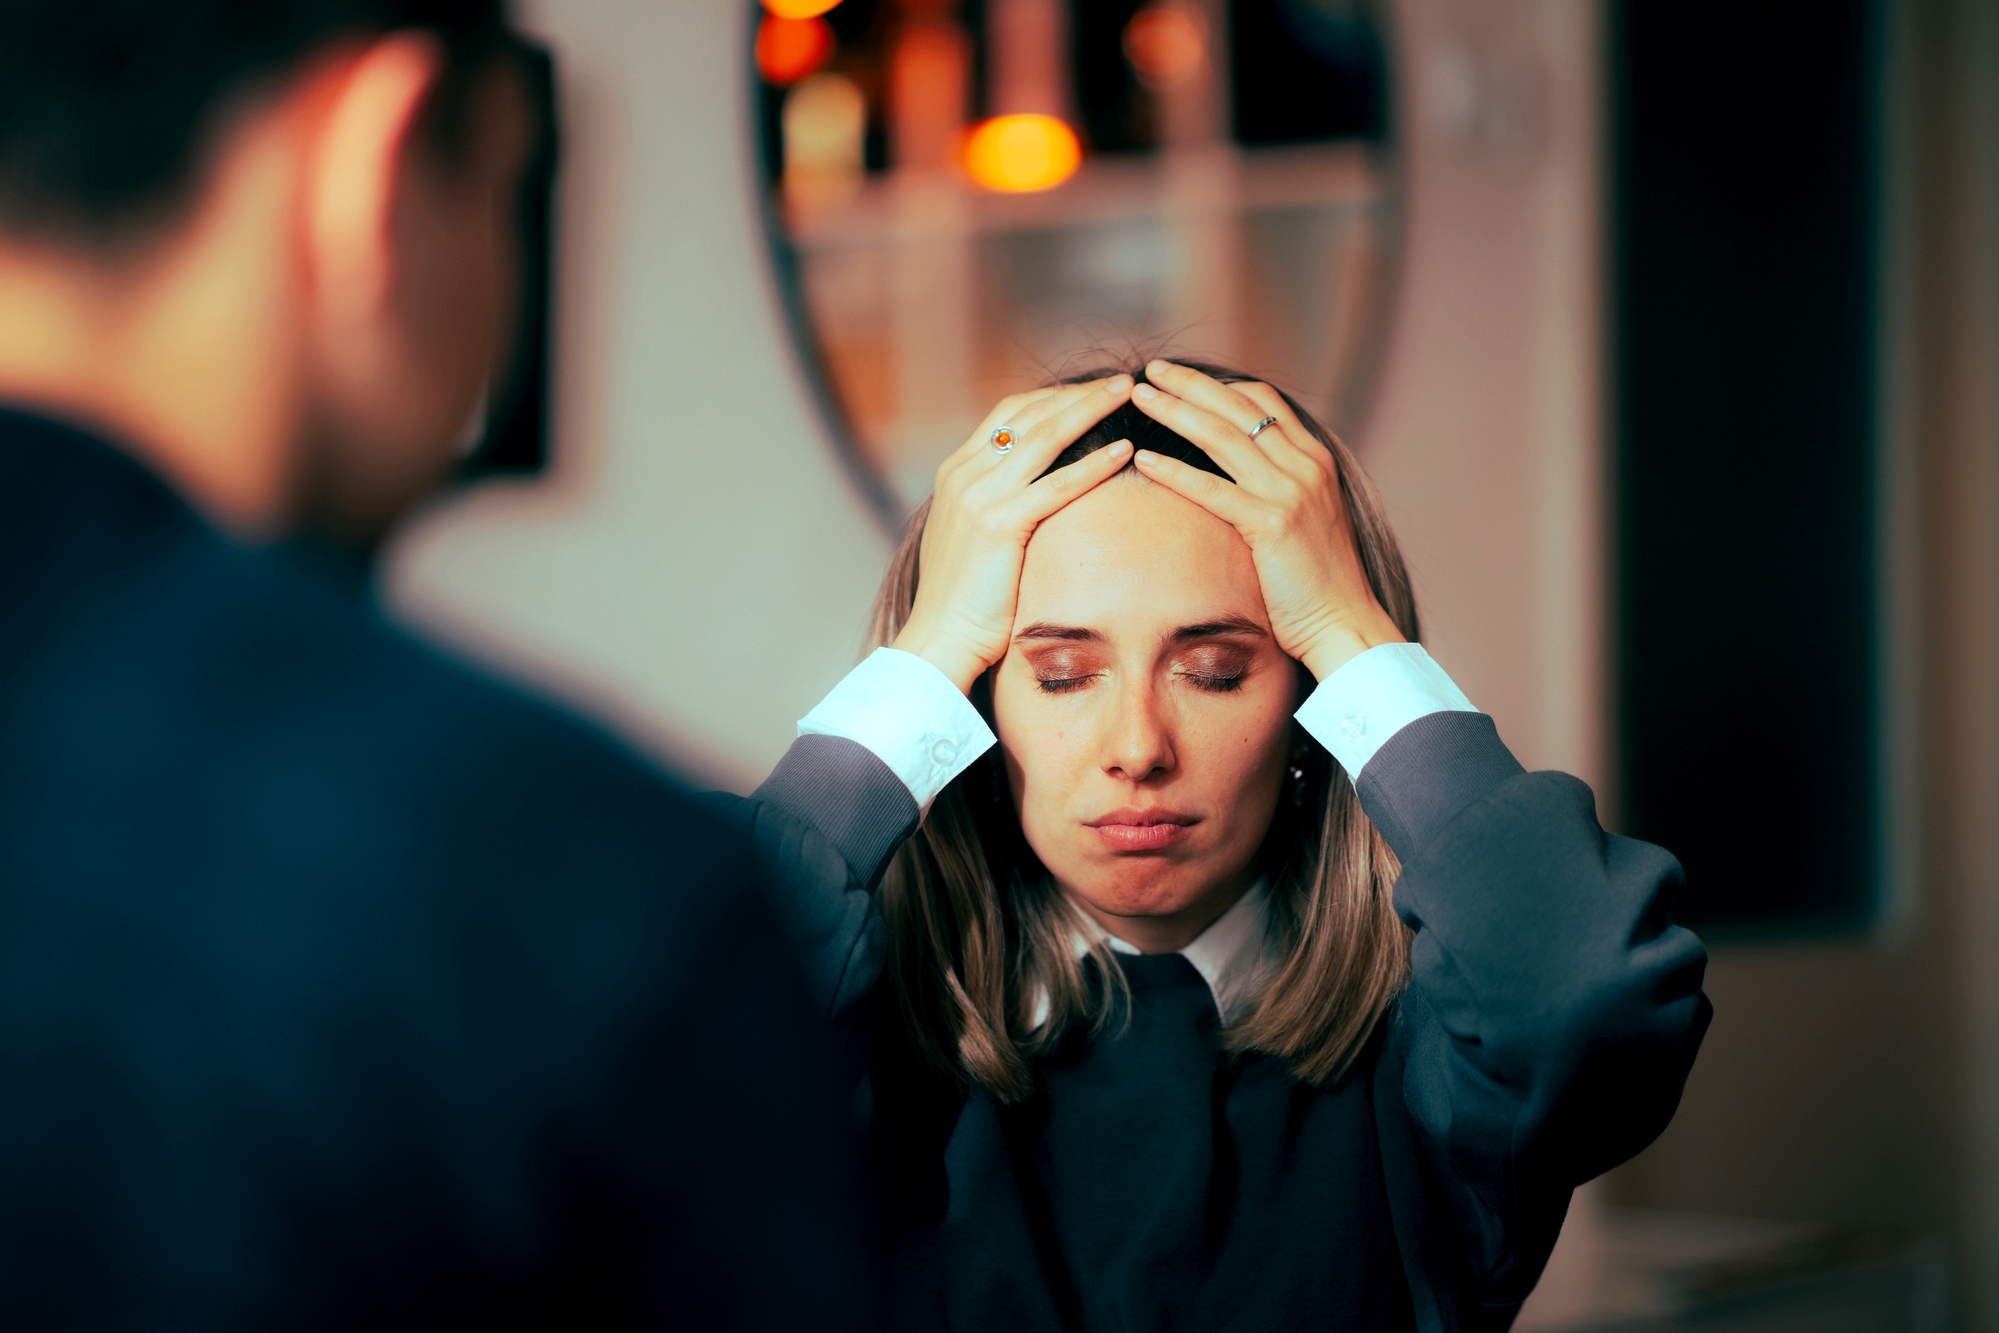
point(1213, 629)
point(1207, 629)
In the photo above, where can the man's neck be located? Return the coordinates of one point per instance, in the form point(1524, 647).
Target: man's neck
point(177, 354)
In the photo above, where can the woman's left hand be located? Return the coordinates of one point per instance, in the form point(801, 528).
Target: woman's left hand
point(1285, 501)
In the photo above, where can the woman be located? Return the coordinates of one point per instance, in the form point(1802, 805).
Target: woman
point(1248, 981)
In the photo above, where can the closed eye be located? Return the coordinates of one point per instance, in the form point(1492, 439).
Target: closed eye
point(1215, 667)
point(1213, 684)
point(1063, 684)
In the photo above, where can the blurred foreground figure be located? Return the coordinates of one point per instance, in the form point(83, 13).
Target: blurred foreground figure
point(338, 986)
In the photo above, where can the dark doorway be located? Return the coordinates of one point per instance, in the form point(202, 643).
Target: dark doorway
point(1745, 170)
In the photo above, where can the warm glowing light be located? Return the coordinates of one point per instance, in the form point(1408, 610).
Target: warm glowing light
point(1167, 44)
point(1018, 154)
point(825, 124)
point(790, 49)
point(799, 9)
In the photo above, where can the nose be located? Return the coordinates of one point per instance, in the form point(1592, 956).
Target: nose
point(1138, 743)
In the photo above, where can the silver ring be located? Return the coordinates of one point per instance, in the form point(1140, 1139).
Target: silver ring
point(1262, 426)
point(1002, 439)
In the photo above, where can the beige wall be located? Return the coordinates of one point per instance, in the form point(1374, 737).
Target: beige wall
point(1486, 437)
point(697, 567)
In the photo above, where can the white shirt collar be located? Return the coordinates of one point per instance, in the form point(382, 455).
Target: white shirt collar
point(1233, 955)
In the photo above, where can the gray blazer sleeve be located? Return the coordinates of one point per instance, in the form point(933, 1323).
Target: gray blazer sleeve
point(828, 819)
point(1554, 1010)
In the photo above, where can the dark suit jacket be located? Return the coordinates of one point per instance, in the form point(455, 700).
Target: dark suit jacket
point(339, 985)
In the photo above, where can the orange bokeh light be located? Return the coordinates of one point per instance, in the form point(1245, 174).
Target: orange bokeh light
point(1018, 154)
point(799, 9)
point(1166, 44)
point(790, 49)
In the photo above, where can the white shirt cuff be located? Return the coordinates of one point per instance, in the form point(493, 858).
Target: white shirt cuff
point(1357, 708)
point(910, 716)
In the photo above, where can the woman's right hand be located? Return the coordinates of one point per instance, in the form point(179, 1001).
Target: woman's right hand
point(985, 507)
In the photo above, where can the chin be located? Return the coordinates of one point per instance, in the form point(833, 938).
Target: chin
point(1142, 890)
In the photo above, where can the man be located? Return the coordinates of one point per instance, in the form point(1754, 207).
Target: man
point(337, 985)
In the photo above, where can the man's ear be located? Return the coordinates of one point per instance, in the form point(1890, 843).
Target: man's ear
point(351, 186)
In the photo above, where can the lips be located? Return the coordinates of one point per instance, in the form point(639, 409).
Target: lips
point(1141, 830)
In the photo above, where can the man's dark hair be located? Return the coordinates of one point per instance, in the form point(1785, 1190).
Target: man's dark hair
point(109, 108)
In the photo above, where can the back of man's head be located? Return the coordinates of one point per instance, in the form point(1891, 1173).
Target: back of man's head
point(107, 107)
point(267, 246)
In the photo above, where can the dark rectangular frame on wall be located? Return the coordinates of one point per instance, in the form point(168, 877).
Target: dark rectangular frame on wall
point(1746, 150)
point(515, 438)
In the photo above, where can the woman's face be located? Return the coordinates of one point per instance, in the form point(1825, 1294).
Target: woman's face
point(1143, 710)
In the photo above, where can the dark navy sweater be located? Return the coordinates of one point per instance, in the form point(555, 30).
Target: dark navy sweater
point(1150, 1183)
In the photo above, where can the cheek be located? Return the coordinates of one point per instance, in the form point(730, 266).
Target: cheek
point(1238, 754)
point(1048, 749)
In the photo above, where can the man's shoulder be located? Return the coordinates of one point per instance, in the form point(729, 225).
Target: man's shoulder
point(205, 685)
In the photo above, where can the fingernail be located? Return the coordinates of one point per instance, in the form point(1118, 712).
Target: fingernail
point(1118, 383)
point(1145, 391)
point(1145, 456)
point(1119, 446)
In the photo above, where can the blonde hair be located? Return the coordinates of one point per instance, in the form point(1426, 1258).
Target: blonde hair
point(979, 934)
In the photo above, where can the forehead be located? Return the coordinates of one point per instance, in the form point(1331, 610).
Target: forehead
point(1131, 556)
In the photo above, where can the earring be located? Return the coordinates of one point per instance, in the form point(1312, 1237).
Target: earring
point(1297, 785)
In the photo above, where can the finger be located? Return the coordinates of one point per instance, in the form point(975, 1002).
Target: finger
point(1003, 414)
point(1064, 484)
point(1028, 411)
point(1294, 432)
point(1064, 396)
point(1007, 409)
point(1223, 440)
point(1247, 404)
point(1205, 391)
point(1064, 421)
point(1014, 404)
point(1218, 495)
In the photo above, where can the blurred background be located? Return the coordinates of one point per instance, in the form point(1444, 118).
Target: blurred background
point(1667, 331)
